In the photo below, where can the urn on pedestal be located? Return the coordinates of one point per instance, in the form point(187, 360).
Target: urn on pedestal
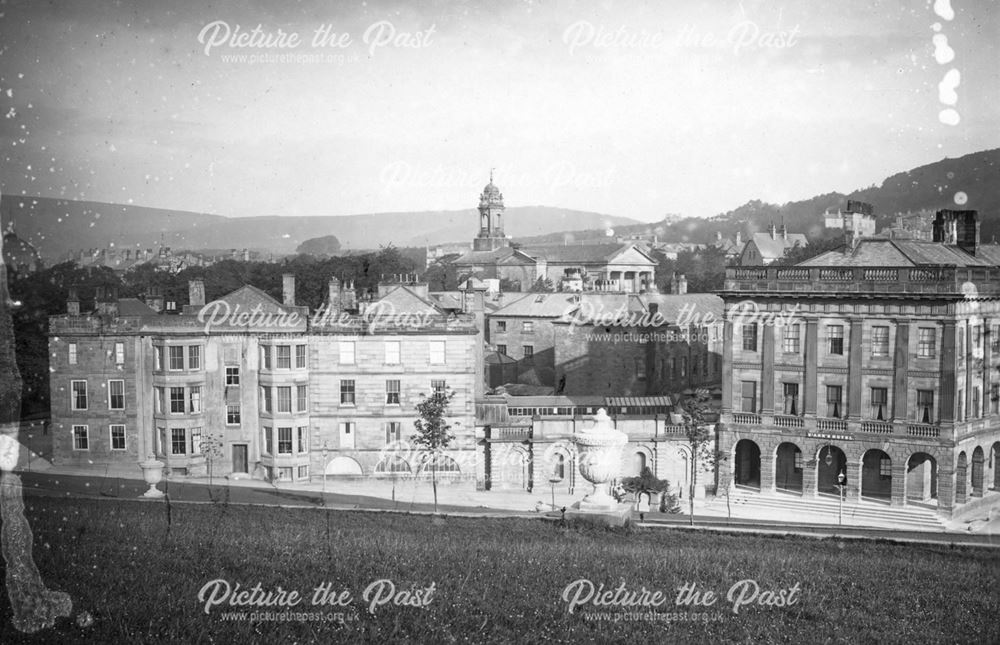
point(600, 454)
point(152, 473)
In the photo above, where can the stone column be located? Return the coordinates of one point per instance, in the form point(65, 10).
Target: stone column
point(945, 490)
point(947, 381)
point(809, 478)
point(855, 360)
point(853, 493)
point(767, 460)
point(898, 490)
point(900, 383)
point(811, 359)
point(727, 367)
point(767, 371)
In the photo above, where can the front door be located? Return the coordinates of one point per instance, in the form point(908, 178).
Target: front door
point(240, 463)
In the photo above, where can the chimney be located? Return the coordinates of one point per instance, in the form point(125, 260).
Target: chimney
point(106, 301)
point(960, 228)
point(333, 297)
point(784, 233)
point(473, 301)
point(718, 236)
point(739, 238)
point(196, 292)
point(349, 299)
point(72, 303)
point(673, 284)
point(288, 289)
point(154, 299)
point(420, 288)
point(772, 230)
point(682, 285)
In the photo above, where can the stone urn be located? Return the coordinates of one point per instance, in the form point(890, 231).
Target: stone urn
point(152, 473)
point(600, 453)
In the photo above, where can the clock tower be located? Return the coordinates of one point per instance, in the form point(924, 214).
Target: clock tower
point(491, 236)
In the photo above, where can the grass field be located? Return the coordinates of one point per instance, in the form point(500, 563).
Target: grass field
point(494, 580)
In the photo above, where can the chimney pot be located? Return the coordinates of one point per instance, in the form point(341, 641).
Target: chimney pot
point(288, 289)
point(196, 292)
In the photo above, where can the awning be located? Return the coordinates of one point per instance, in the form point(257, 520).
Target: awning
point(638, 401)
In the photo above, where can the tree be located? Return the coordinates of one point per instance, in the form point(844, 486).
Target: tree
point(542, 285)
point(433, 434)
point(700, 437)
point(320, 246)
point(645, 484)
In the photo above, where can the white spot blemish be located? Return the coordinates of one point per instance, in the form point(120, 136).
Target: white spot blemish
point(943, 9)
point(946, 88)
point(961, 198)
point(949, 116)
point(943, 53)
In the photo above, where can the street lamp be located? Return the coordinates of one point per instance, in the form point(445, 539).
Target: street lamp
point(326, 453)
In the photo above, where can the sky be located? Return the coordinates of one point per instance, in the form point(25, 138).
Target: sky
point(635, 109)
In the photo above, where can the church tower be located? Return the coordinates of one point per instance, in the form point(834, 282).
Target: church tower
point(491, 236)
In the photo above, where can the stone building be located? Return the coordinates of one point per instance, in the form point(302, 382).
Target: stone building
point(877, 362)
point(280, 392)
point(764, 248)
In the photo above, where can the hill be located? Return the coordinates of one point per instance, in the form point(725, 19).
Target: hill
point(58, 226)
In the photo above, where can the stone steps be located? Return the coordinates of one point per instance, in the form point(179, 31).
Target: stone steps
point(825, 510)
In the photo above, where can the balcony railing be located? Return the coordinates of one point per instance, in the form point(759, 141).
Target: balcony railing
point(784, 421)
point(746, 418)
point(808, 425)
point(923, 430)
point(876, 427)
point(831, 425)
point(931, 280)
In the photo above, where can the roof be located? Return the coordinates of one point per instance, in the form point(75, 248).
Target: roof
point(873, 252)
point(539, 305)
point(775, 247)
point(639, 401)
point(484, 257)
point(560, 305)
point(583, 253)
point(402, 299)
point(134, 307)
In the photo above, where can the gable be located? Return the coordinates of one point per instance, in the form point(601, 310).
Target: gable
point(631, 255)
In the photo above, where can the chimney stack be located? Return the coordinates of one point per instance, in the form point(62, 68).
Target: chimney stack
point(196, 292)
point(682, 285)
point(72, 303)
point(333, 298)
point(772, 230)
point(106, 300)
point(673, 283)
point(288, 289)
point(960, 228)
point(349, 299)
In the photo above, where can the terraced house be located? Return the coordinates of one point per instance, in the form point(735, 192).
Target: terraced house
point(247, 384)
point(877, 365)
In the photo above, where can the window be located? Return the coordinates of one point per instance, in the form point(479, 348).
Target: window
point(177, 400)
point(926, 342)
point(961, 405)
point(303, 439)
point(158, 362)
point(673, 367)
point(834, 398)
point(880, 399)
point(791, 339)
point(300, 398)
point(284, 441)
point(178, 441)
point(284, 398)
point(79, 395)
point(528, 327)
point(799, 462)
point(640, 369)
point(285, 474)
point(265, 357)
point(176, 355)
point(393, 430)
point(684, 366)
point(194, 398)
point(977, 340)
point(284, 357)
point(117, 437)
point(437, 352)
point(885, 468)
point(81, 438)
point(529, 352)
point(502, 349)
point(835, 334)
point(300, 356)
point(119, 353)
point(303, 472)
point(347, 392)
point(265, 399)
point(232, 415)
point(392, 392)
point(995, 338)
point(880, 341)
point(791, 391)
point(925, 406)
point(232, 375)
point(195, 441)
point(976, 410)
point(559, 468)
point(501, 325)
point(268, 441)
point(194, 357)
point(439, 387)
point(116, 395)
point(995, 398)
point(750, 337)
point(72, 353)
point(159, 400)
point(748, 396)
point(392, 352)
point(347, 352)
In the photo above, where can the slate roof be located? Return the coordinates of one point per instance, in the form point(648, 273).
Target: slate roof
point(774, 248)
point(558, 305)
point(483, 257)
point(134, 307)
point(874, 252)
point(582, 253)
